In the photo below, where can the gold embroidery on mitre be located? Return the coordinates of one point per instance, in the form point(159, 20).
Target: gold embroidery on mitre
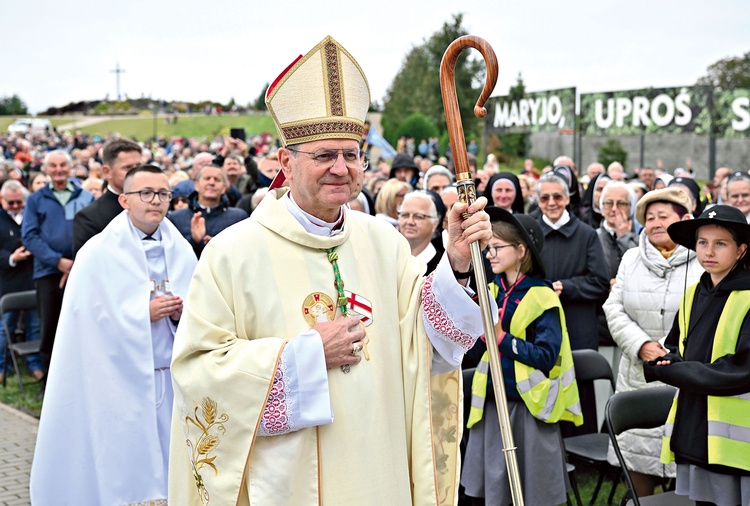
point(318, 307)
point(336, 96)
point(206, 442)
point(333, 80)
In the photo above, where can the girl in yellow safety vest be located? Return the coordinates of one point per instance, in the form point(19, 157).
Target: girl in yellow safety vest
point(708, 429)
point(537, 370)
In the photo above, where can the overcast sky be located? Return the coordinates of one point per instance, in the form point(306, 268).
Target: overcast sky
point(59, 52)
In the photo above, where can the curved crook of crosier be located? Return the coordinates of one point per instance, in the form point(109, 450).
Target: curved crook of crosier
point(450, 99)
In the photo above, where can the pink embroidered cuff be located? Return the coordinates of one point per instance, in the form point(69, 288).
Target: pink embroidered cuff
point(276, 416)
point(438, 318)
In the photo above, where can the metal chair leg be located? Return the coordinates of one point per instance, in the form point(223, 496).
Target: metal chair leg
point(18, 373)
point(574, 486)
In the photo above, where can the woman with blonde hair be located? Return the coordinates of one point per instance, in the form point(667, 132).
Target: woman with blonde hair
point(389, 198)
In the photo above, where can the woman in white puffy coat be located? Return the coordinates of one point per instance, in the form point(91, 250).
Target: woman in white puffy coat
point(640, 312)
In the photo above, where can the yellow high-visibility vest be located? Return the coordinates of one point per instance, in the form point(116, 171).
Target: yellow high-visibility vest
point(728, 420)
point(548, 398)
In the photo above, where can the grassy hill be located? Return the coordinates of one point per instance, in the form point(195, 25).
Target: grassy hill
point(144, 126)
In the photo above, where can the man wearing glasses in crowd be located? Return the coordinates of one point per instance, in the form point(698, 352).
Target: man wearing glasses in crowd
point(104, 432)
point(311, 342)
point(16, 272)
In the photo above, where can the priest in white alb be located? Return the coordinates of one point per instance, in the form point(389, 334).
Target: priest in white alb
point(104, 431)
point(315, 363)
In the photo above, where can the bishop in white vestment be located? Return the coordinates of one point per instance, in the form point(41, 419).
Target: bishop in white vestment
point(315, 363)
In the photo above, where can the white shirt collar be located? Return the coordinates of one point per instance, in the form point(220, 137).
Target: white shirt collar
point(426, 254)
point(564, 219)
point(18, 218)
point(309, 222)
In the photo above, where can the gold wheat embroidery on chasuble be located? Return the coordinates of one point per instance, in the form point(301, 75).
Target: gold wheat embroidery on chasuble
point(210, 426)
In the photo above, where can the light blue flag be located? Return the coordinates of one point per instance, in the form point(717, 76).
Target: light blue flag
point(377, 140)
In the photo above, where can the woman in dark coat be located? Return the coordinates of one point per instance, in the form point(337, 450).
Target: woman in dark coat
point(575, 263)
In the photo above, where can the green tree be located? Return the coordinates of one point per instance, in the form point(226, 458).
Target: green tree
point(728, 73)
point(12, 106)
point(260, 102)
point(513, 145)
point(612, 151)
point(418, 126)
point(416, 87)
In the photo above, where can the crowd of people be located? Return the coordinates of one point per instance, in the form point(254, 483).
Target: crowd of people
point(109, 232)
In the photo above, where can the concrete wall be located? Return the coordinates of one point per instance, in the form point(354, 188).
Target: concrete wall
point(671, 149)
point(550, 145)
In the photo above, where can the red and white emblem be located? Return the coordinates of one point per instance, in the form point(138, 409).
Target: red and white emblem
point(357, 305)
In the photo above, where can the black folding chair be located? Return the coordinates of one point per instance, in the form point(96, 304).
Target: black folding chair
point(18, 301)
point(641, 409)
point(590, 365)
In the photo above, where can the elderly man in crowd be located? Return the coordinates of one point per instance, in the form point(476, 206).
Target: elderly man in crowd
point(48, 234)
point(16, 272)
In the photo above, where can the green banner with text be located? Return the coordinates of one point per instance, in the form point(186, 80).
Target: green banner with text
point(540, 111)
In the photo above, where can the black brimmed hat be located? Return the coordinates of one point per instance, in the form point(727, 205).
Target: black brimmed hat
point(683, 232)
point(531, 232)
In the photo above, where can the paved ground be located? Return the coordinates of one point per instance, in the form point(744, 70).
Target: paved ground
point(17, 438)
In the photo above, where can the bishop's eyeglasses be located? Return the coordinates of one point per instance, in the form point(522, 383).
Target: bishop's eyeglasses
point(326, 158)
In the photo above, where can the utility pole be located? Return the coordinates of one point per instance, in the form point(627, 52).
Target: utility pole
point(117, 71)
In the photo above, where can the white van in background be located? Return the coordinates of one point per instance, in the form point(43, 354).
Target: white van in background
point(30, 125)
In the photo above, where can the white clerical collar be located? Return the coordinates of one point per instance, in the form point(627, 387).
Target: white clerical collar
point(564, 219)
point(309, 222)
point(426, 254)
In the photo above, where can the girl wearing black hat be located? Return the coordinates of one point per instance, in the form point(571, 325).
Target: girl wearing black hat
point(708, 429)
point(537, 370)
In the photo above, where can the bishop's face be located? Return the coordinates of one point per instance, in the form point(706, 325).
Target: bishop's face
point(317, 189)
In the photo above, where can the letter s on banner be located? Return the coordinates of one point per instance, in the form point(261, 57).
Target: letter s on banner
point(741, 108)
point(681, 103)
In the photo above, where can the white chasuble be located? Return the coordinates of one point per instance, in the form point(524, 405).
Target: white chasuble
point(390, 442)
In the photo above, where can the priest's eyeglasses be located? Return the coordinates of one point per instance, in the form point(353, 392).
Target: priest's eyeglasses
point(148, 195)
point(326, 158)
